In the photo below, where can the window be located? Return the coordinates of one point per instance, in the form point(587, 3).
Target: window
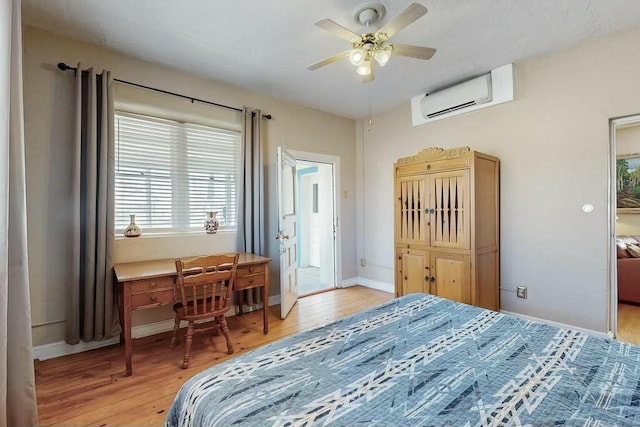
point(170, 174)
point(315, 198)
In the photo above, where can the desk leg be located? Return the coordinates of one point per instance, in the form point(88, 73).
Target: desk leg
point(126, 328)
point(121, 310)
point(265, 300)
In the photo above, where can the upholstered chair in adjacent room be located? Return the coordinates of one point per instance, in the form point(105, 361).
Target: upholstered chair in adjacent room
point(205, 285)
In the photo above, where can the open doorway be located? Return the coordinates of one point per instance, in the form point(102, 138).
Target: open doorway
point(317, 222)
point(625, 259)
point(308, 224)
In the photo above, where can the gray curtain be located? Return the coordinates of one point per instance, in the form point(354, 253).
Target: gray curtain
point(18, 405)
point(250, 237)
point(92, 312)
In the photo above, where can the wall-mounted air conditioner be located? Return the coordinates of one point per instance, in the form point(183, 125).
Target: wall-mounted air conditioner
point(489, 89)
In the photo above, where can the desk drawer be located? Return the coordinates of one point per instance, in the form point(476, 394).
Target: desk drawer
point(250, 281)
point(151, 285)
point(247, 270)
point(159, 297)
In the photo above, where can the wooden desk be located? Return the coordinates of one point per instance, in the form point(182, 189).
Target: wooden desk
point(147, 284)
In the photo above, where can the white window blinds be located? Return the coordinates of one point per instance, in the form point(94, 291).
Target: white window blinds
point(170, 174)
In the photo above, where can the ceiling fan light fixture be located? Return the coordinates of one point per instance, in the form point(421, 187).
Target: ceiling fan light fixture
point(372, 47)
point(357, 56)
point(364, 69)
point(382, 55)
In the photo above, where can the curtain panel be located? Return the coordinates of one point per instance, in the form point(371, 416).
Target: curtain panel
point(92, 313)
point(18, 405)
point(250, 235)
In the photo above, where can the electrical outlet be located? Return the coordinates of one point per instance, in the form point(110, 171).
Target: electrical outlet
point(521, 292)
point(363, 262)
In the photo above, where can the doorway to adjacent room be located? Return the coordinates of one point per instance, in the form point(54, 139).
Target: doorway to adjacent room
point(308, 224)
point(316, 236)
point(624, 303)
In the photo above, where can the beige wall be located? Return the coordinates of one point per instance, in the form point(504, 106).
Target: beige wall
point(628, 225)
point(48, 106)
point(553, 142)
point(628, 140)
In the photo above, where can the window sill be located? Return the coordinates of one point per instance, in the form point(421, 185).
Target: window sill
point(172, 234)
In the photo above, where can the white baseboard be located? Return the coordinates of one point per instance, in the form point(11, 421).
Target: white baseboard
point(558, 324)
point(349, 282)
point(381, 286)
point(141, 331)
point(274, 300)
point(61, 348)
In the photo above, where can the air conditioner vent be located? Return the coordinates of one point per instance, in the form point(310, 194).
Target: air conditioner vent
point(472, 92)
point(448, 110)
point(489, 89)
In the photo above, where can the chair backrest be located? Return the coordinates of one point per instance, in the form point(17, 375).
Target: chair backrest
point(206, 284)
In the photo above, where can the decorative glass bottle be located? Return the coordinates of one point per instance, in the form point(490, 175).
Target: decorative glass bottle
point(132, 230)
point(211, 223)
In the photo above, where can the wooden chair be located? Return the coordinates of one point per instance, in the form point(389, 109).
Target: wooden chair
point(205, 284)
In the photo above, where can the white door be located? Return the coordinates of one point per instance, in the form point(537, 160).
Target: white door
point(287, 231)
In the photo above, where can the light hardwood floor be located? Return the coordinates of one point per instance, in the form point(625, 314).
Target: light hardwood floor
point(629, 323)
point(90, 388)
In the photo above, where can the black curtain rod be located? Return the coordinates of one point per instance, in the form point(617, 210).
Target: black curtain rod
point(64, 67)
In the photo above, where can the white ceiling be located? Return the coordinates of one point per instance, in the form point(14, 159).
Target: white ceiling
point(266, 45)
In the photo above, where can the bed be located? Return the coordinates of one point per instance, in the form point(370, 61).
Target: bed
point(421, 360)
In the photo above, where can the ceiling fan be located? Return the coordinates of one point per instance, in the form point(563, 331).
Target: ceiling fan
point(370, 47)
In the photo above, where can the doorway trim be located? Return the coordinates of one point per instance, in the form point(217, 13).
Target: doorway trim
point(337, 241)
point(612, 288)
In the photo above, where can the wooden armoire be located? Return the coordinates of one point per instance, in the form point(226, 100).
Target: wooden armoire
point(447, 225)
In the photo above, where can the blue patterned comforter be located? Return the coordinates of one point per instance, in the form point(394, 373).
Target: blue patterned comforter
point(421, 360)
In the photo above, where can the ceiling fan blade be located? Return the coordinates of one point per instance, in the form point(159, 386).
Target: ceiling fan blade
point(418, 52)
point(406, 17)
point(372, 75)
point(337, 29)
point(329, 60)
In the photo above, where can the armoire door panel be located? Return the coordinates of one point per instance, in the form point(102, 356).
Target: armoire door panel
point(451, 276)
point(413, 269)
point(449, 204)
point(411, 221)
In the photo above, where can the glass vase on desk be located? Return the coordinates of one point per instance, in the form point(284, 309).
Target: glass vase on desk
point(132, 230)
point(211, 223)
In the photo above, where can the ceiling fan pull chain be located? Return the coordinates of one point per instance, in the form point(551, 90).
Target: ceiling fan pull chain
point(370, 115)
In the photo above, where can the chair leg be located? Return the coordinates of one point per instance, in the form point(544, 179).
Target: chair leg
point(225, 331)
point(185, 363)
point(176, 327)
